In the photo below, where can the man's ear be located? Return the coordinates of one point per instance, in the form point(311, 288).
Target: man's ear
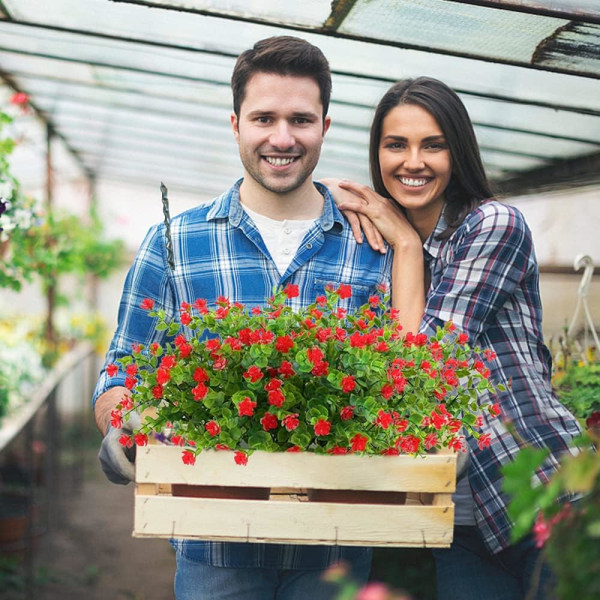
point(326, 124)
point(235, 127)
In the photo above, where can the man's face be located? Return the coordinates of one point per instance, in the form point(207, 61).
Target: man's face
point(280, 130)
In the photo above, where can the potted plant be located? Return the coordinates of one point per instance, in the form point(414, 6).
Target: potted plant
point(318, 380)
point(301, 389)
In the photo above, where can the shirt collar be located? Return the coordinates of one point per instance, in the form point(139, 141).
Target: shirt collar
point(432, 245)
point(228, 205)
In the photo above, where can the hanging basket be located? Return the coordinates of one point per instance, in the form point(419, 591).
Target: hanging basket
point(282, 512)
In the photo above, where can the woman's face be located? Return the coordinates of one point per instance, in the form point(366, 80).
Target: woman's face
point(415, 161)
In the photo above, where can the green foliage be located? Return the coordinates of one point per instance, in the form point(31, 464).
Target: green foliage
point(579, 388)
point(569, 534)
point(317, 379)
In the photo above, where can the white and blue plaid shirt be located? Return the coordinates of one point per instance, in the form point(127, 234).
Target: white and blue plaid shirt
point(485, 279)
point(218, 251)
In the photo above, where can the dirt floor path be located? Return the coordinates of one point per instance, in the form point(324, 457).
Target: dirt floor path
point(91, 555)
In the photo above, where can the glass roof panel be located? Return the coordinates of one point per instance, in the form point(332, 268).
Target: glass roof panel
point(493, 33)
point(307, 12)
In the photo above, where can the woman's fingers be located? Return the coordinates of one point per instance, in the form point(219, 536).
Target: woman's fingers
point(354, 222)
point(374, 238)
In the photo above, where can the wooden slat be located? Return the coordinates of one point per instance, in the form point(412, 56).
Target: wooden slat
point(433, 473)
point(301, 522)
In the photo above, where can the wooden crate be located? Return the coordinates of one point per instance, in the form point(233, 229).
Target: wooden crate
point(287, 516)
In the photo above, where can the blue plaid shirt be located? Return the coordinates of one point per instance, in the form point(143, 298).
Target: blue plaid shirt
point(218, 251)
point(484, 278)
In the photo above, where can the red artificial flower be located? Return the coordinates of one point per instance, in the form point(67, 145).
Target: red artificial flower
point(431, 441)
point(276, 398)
point(126, 402)
point(358, 443)
point(346, 413)
point(484, 441)
point(410, 444)
point(168, 361)
point(401, 425)
point(320, 369)
point(186, 318)
point(254, 374)
point(321, 300)
point(126, 441)
point(256, 310)
point(240, 458)
point(162, 375)
point(314, 355)
point(291, 290)
point(199, 392)
point(390, 452)
point(294, 449)
point(344, 291)
point(462, 339)
point(322, 427)
point(340, 334)
point(495, 410)
point(222, 447)
point(291, 421)
point(112, 370)
point(147, 304)
point(273, 384)
point(286, 369)
point(130, 382)
point(131, 370)
point(201, 306)
point(177, 440)
point(269, 421)
point(200, 375)
point(348, 384)
point(284, 344)
point(387, 391)
point(141, 439)
point(220, 362)
point(489, 354)
point(116, 419)
point(338, 450)
point(157, 391)
point(213, 428)
point(384, 419)
point(246, 407)
point(188, 457)
point(374, 301)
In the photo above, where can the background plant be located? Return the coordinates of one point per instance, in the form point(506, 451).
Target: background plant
point(568, 533)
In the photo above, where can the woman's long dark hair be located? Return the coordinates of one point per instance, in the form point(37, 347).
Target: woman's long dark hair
point(468, 186)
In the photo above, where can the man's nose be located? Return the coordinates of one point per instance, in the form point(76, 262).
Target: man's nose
point(282, 138)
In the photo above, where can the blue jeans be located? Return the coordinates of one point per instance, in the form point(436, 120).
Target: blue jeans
point(197, 581)
point(468, 571)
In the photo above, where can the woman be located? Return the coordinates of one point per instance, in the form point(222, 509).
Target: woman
point(462, 256)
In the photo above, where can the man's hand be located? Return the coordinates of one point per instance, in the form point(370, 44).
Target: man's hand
point(118, 461)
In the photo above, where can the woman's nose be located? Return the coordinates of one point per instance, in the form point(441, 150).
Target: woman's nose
point(414, 161)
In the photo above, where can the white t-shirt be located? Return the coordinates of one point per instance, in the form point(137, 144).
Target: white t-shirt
point(282, 238)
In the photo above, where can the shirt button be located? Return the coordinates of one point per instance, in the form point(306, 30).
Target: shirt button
point(286, 250)
point(287, 230)
point(309, 245)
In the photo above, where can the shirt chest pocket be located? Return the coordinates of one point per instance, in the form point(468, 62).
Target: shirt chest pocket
point(360, 292)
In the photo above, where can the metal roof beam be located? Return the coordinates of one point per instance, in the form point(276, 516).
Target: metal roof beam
point(581, 170)
point(536, 7)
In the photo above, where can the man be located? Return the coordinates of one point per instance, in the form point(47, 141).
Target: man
point(272, 228)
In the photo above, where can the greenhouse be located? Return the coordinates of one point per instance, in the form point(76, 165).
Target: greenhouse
point(117, 116)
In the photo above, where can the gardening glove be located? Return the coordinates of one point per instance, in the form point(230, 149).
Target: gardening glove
point(117, 461)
